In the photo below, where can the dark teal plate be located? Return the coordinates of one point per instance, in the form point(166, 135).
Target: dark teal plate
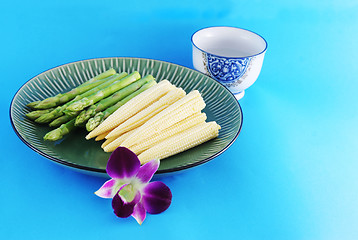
point(76, 152)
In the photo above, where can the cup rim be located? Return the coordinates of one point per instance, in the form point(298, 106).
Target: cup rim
point(253, 55)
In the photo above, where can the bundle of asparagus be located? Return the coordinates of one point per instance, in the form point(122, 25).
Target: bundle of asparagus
point(89, 103)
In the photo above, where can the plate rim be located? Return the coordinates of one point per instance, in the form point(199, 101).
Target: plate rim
point(96, 170)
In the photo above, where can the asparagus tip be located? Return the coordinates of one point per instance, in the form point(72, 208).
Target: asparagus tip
point(33, 105)
point(48, 103)
point(54, 135)
point(54, 123)
point(76, 106)
point(43, 119)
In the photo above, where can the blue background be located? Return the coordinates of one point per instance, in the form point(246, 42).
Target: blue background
point(292, 172)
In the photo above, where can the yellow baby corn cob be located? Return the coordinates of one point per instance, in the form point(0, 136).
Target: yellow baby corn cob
point(130, 108)
point(108, 141)
point(181, 142)
point(115, 142)
point(188, 122)
point(147, 113)
point(181, 109)
point(102, 136)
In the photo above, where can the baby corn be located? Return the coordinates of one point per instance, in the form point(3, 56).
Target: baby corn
point(188, 122)
point(133, 106)
point(112, 143)
point(147, 113)
point(181, 109)
point(180, 142)
point(102, 136)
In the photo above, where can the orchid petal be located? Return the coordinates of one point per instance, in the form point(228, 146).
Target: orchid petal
point(156, 197)
point(122, 163)
point(108, 189)
point(122, 208)
point(146, 172)
point(139, 213)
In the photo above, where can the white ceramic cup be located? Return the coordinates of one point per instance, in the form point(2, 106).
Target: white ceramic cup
point(232, 56)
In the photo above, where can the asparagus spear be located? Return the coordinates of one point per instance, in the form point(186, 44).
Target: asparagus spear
point(59, 111)
point(103, 93)
point(93, 122)
point(83, 88)
point(103, 104)
point(109, 101)
point(67, 127)
point(32, 105)
point(63, 98)
point(59, 132)
point(35, 114)
point(63, 119)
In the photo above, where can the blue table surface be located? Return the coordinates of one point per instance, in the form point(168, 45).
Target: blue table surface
point(291, 173)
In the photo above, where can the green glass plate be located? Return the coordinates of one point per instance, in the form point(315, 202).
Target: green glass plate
point(81, 154)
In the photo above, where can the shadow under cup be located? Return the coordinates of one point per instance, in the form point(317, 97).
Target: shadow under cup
point(232, 56)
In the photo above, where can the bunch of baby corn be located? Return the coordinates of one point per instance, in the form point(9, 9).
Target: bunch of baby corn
point(158, 123)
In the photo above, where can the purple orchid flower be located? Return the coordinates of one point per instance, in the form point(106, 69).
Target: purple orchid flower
point(130, 189)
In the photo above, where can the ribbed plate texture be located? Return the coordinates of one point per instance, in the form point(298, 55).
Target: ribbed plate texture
point(75, 151)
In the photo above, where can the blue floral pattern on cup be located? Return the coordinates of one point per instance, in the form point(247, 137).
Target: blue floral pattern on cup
point(226, 70)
